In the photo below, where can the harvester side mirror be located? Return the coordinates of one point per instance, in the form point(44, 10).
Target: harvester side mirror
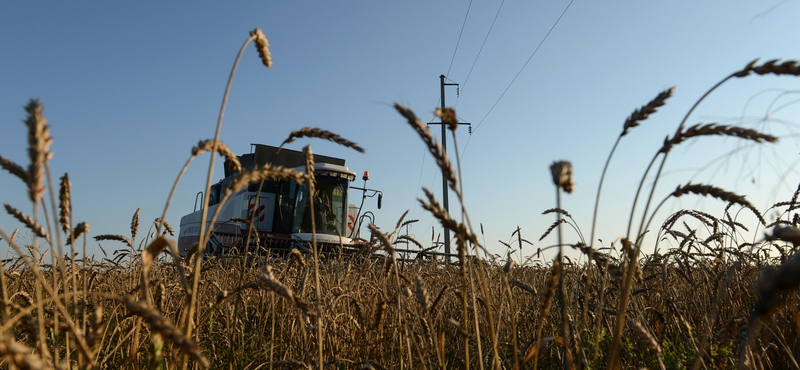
point(380, 200)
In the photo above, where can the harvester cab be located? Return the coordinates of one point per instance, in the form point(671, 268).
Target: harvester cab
point(280, 210)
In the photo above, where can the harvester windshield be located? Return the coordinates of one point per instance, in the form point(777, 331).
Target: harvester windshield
point(329, 204)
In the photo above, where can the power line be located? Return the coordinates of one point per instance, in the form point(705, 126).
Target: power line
point(523, 66)
point(464, 84)
point(459, 37)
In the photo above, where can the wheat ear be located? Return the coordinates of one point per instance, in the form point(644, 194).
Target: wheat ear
point(167, 227)
point(562, 175)
point(119, 238)
point(313, 132)
point(135, 224)
point(263, 173)
point(39, 142)
point(80, 228)
point(220, 148)
point(27, 221)
point(646, 110)
point(263, 46)
point(433, 145)
point(788, 67)
point(717, 130)
point(440, 213)
point(719, 194)
point(448, 116)
point(65, 208)
point(13, 169)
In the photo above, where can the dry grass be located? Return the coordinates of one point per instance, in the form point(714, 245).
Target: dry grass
point(709, 301)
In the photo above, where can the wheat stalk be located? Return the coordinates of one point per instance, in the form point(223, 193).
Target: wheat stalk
point(544, 310)
point(192, 300)
point(634, 120)
point(787, 68)
point(421, 293)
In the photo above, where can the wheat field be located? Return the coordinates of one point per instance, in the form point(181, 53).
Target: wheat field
point(710, 301)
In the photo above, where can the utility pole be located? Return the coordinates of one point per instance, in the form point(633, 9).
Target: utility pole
point(445, 192)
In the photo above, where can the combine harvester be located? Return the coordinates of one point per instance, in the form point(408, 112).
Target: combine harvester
point(280, 211)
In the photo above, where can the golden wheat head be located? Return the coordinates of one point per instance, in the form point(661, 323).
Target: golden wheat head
point(262, 45)
point(39, 142)
point(27, 221)
point(118, 238)
point(80, 228)
point(219, 147)
point(13, 169)
point(448, 117)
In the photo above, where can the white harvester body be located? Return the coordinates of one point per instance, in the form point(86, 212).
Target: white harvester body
point(280, 210)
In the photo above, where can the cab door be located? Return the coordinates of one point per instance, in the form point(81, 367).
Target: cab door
point(261, 210)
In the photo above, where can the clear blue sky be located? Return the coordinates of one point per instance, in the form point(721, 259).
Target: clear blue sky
point(129, 88)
